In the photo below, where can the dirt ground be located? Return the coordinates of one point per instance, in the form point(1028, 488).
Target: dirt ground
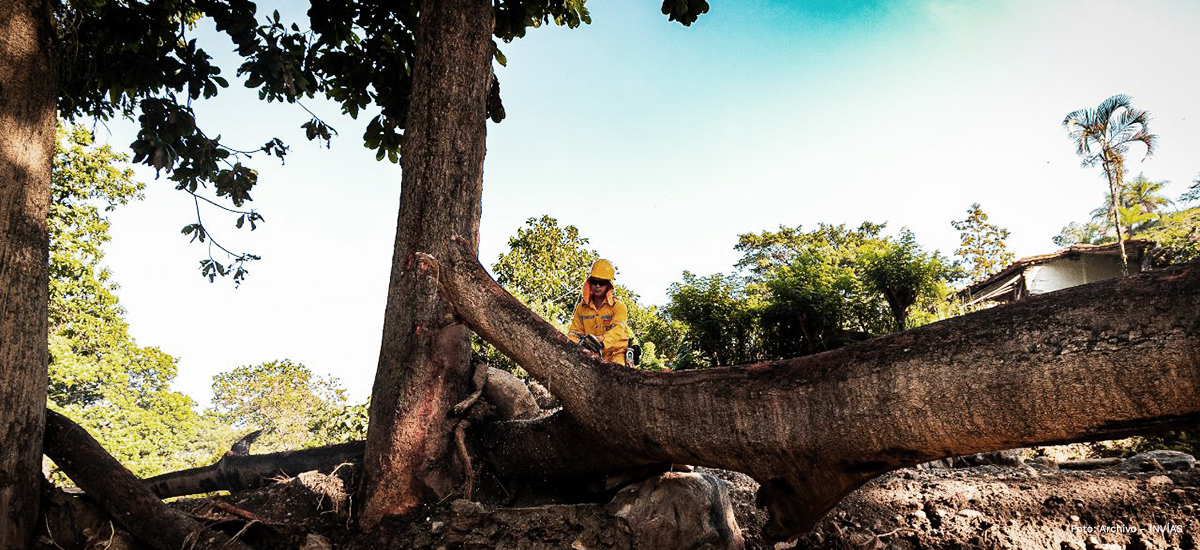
point(980, 507)
point(1006, 507)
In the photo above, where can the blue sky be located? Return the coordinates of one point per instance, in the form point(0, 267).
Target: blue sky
point(663, 143)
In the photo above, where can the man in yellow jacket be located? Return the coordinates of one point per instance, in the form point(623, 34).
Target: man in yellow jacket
point(601, 314)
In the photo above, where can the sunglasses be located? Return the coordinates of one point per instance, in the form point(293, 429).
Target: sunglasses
point(599, 282)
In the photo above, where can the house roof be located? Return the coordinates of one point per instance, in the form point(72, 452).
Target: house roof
point(1133, 247)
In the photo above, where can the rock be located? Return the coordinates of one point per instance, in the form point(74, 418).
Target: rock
point(1044, 463)
point(1158, 461)
point(1138, 542)
point(1007, 457)
point(1090, 463)
point(510, 396)
point(678, 511)
point(941, 463)
point(316, 542)
point(1160, 482)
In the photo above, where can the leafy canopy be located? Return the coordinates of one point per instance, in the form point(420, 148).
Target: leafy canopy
point(98, 375)
point(981, 244)
point(1141, 208)
point(809, 291)
point(1176, 236)
point(720, 319)
point(294, 407)
point(143, 59)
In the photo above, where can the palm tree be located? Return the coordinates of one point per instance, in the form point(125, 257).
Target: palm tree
point(1103, 136)
point(1141, 200)
point(1145, 194)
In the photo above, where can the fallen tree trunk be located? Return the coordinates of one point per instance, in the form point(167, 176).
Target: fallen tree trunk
point(240, 472)
point(1093, 362)
point(122, 495)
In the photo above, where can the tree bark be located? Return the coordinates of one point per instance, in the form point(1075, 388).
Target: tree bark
point(1093, 362)
point(424, 360)
point(1112, 170)
point(122, 495)
point(28, 90)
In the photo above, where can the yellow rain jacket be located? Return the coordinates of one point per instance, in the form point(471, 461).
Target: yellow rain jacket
point(608, 322)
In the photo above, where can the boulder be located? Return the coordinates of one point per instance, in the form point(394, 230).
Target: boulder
point(1007, 457)
point(678, 511)
point(510, 396)
point(1159, 460)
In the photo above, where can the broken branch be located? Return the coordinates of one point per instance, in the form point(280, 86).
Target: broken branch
point(235, 472)
point(122, 495)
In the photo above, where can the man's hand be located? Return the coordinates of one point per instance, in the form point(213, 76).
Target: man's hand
point(592, 344)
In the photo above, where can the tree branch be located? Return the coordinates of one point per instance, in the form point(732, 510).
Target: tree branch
point(239, 472)
point(122, 495)
point(1093, 362)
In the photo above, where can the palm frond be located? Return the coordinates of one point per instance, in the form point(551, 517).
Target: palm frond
point(1081, 127)
point(1108, 107)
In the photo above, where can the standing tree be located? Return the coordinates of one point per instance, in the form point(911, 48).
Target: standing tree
point(544, 267)
point(981, 244)
point(1103, 136)
point(1192, 193)
point(904, 273)
point(1176, 237)
point(1139, 209)
point(816, 295)
point(720, 319)
point(98, 374)
point(28, 88)
point(1145, 195)
point(1142, 203)
point(284, 399)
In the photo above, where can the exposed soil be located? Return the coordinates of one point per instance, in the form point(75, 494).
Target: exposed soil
point(980, 507)
point(1008, 507)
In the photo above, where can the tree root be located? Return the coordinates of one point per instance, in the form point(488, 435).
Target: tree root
point(479, 381)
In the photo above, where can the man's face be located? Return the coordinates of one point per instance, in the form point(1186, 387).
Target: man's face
point(599, 288)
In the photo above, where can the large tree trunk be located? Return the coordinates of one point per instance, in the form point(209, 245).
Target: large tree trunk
point(424, 361)
point(27, 101)
point(1092, 362)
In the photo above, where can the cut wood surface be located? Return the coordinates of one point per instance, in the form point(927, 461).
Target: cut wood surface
point(1097, 361)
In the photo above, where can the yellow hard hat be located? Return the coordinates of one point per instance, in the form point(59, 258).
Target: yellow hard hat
point(602, 269)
